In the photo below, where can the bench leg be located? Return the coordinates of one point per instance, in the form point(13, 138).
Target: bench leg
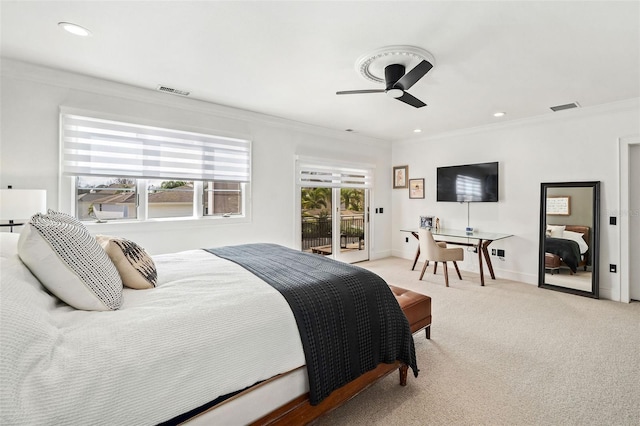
point(403, 374)
point(427, 332)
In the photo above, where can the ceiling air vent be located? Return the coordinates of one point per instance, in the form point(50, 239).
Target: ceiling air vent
point(565, 106)
point(173, 91)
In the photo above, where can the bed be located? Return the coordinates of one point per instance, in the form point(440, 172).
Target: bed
point(210, 343)
point(567, 245)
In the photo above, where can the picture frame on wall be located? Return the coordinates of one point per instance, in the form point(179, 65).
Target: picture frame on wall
point(416, 188)
point(559, 206)
point(400, 174)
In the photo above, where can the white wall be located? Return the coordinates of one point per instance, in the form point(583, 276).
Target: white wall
point(31, 97)
point(572, 145)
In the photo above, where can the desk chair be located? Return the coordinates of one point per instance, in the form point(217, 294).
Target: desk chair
point(438, 252)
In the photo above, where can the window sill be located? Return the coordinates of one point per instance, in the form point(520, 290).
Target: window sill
point(161, 224)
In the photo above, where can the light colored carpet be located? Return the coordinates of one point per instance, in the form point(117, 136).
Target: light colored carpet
point(508, 354)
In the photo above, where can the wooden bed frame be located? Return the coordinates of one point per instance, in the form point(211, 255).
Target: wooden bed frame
point(553, 262)
point(299, 411)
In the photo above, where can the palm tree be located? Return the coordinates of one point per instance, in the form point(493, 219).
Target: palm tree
point(315, 198)
point(351, 198)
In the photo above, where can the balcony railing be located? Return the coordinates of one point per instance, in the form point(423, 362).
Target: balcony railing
point(317, 232)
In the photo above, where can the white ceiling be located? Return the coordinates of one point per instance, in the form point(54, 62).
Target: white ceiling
point(288, 59)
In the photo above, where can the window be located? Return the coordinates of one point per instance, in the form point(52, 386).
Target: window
point(130, 171)
point(223, 198)
point(169, 198)
point(105, 198)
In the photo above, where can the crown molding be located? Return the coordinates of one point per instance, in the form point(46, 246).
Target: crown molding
point(28, 71)
point(576, 113)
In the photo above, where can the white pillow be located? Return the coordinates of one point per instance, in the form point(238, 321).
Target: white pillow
point(70, 263)
point(556, 230)
point(577, 237)
point(64, 218)
point(135, 266)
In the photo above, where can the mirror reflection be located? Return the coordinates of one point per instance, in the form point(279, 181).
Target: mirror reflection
point(569, 237)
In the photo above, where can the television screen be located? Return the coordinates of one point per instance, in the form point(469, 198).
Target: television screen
point(468, 183)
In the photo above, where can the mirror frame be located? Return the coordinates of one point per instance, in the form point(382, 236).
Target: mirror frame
point(594, 247)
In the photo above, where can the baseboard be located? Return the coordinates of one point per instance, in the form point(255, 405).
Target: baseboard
point(608, 293)
point(522, 277)
point(380, 254)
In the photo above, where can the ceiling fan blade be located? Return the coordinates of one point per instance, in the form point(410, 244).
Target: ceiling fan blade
point(411, 100)
point(410, 78)
point(358, 92)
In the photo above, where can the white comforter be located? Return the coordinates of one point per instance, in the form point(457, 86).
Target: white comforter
point(209, 328)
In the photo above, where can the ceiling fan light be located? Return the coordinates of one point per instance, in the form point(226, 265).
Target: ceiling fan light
point(395, 93)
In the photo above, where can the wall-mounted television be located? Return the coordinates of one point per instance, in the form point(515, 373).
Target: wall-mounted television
point(468, 183)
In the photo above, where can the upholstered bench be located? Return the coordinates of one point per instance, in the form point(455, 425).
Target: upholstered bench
point(551, 262)
point(416, 307)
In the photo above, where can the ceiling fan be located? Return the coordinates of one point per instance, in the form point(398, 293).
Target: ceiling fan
point(397, 83)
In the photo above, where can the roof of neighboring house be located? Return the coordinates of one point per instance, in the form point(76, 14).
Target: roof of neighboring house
point(182, 194)
point(176, 195)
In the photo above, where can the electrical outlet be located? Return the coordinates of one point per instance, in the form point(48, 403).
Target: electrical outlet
point(613, 268)
point(500, 253)
point(493, 252)
point(612, 220)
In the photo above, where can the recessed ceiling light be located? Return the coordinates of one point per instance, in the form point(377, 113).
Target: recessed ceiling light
point(74, 29)
point(499, 114)
point(417, 130)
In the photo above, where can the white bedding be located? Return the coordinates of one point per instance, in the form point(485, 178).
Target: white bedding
point(208, 328)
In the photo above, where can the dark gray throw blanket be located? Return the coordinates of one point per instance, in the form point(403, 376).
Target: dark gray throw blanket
point(568, 250)
point(348, 318)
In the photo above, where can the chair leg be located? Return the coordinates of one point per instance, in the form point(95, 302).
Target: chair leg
point(457, 270)
point(424, 268)
point(446, 274)
point(435, 267)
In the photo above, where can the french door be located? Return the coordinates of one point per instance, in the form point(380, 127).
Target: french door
point(334, 208)
point(335, 222)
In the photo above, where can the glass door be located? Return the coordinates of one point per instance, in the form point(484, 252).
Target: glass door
point(316, 220)
point(334, 222)
point(352, 220)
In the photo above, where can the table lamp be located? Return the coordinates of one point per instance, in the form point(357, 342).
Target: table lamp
point(20, 205)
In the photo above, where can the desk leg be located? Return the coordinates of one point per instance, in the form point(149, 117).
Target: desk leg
point(488, 259)
point(417, 237)
point(479, 249)
point(416, 259)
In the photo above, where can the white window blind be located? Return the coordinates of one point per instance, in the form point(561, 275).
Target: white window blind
point(96, 147)
point(322, 173)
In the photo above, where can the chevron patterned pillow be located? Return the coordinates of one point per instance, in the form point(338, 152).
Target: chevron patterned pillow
point(135, 266)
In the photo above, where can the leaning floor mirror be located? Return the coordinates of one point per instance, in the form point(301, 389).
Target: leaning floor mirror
point(569, 237)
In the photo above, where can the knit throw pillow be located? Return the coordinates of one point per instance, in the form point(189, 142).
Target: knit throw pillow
point(70, 263)
point(63, 217)
point(135, 266)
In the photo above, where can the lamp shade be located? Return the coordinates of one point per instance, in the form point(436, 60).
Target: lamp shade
point(21, 204)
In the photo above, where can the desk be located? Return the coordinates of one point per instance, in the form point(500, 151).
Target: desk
point(479, 240)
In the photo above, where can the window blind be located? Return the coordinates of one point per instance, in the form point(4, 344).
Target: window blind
point(96, 147)
point(323, 173)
